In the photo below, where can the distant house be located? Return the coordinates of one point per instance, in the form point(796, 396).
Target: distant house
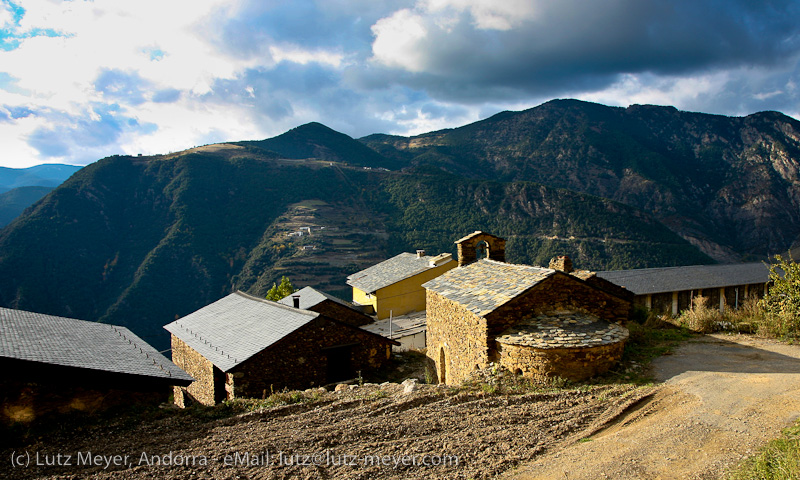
point(671, 289)
point(312, 299)
point(244, 346)
point(394, 286)
point(56, 364)
point(533, 321)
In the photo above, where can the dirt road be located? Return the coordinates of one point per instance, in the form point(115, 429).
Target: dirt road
point(723, 397)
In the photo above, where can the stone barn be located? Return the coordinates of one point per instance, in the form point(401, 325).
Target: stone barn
point(55, 365)
point(534, 321)
point(312, 299)
point(244, 346)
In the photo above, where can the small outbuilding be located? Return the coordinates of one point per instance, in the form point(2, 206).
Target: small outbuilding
point(57, 365)
point(244, 346)
point(309, 298)
point(408, 329)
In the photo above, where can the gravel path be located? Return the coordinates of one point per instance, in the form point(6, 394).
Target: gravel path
point(723, 398)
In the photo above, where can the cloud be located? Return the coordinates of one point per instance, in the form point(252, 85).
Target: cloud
point(98, 128)
point(454, 47)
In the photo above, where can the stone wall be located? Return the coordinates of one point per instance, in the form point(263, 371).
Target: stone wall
point(299, 360)
point(460, 334)
point(340, 312)
point(200, 368)
point(574, 364)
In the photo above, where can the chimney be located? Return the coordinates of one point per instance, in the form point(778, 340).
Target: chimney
point(561, 262)
point(420, 253)
point(440, 259)
point(296, 301)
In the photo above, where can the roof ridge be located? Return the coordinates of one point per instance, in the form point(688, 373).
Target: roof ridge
point(119, 331)
point(498, 262)
point(277, 304)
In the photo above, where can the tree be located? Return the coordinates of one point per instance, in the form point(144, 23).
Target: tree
point(277, 292)
point(781, 304)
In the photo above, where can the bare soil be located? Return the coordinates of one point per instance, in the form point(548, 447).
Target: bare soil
point(721, 399)
point(371, 431)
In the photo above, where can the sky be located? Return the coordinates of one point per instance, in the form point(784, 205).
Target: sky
point(81, 80)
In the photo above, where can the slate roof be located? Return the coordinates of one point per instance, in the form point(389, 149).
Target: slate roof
point(310, 297)
point(484, 285)
point(402, 325)
point(68, 342)
point(234, 328)
point(564, 330)
point(390, 271)
point(646, 281)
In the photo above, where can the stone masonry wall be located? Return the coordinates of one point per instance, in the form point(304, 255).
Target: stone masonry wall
point(199, 367)
point(340, 312)
point(575, 364)
point(467, 253)
point(298, 361)
point(460, 334)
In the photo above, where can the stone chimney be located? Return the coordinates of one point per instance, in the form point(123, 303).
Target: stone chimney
point(561, 262)
point(420, 253)
point(296, 301)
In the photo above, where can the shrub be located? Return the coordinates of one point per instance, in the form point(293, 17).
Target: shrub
point(781, 305)
point(700, 318)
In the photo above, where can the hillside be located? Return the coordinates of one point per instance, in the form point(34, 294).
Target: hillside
point(139, 241)
point(152, 239)
point(16, 200)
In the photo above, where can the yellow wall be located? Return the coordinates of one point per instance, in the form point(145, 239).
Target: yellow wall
point(361, 297)
point(403, 297)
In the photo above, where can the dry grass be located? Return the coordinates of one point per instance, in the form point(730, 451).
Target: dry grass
point(779, 460)
point(700, 318)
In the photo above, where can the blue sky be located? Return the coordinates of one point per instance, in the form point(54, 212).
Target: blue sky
point(81, 80)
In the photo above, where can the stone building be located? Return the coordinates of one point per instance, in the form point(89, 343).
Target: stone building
point(244, 346)
point(534, 321)
point(671, 289)
point(312, 299)
point(394, 286)
point(57, 365)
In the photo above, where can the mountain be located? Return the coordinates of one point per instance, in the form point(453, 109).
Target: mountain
point(139, 241)
point(727, 184)
point(316, 141)
point(48, 175)
point(15, 201)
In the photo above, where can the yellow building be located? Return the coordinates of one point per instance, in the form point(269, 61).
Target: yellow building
point(395, 285)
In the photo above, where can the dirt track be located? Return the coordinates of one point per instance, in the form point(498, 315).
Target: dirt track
point(723, 397)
